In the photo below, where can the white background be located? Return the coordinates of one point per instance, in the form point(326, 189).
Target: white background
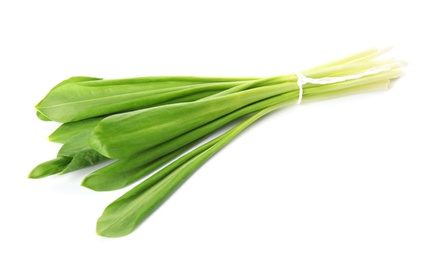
point(338, 179)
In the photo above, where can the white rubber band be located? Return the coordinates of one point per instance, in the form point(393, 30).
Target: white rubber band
point(301, 79)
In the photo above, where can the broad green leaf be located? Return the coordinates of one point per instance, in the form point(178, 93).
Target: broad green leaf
point(123, 215)
point(121, 136)
point(77, 100)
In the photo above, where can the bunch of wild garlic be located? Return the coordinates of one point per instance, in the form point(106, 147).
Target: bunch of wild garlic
point(145, 123)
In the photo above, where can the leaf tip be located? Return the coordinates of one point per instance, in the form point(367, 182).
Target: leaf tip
point(96, 144)
point(42, 116)
point(104, 229)
point(99, 182)
point(49, 168)
point(87, 182)
point(39, 172)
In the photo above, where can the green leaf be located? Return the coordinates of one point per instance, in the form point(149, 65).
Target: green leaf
point(123, 215)
point(121, 136)
point(67, 131)
point(124, 172)
point(74, 100)
point(49, 168)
